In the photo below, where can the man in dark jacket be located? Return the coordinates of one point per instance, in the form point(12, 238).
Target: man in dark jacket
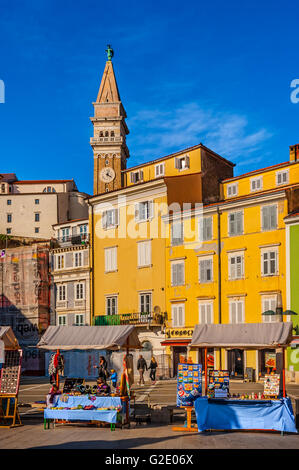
point(141, 366)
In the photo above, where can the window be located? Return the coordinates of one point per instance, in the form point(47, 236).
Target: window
point(145, 302)
point(111, 305)
point(269, 262)
point(110, 219)
point(282, 177)
point(206, 312)
point(36, 201)
point(79, 291)
point(232, 190)
point(178, 315)
point(235, 223)
point(60, 261)
point(177, 235)
point(205, 270)
point(143, 211)
point(49, 189)
point(61, 292)
point(269, 303)
point(144, 253)
point(83, 229)
point(236, 311)
point(79, 319)
point(61, 320)
point(177, 273)
point(205, 228)
point(9, 218)
point(78, 259)
point(236, 266)
point(36, 230)
point(159, 170)
point(269, 217)
point(110, 259)
point(136, 176)
point(2, 188)
point(8, 231)
point(8, 202)
point(36, 217)
point(182, 163)
point(256, 183)
point(65, 234)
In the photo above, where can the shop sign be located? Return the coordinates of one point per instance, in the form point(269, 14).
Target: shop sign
point(179, 333)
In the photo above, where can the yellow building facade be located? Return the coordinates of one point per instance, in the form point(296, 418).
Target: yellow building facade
point(179, 240)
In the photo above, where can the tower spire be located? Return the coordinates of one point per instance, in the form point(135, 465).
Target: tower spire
point(110, 130)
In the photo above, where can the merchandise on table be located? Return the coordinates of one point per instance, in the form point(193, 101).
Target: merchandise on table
point(189, 383)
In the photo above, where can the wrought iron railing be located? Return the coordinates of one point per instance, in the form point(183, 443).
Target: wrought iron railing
point(142, 318)
point(74, 239)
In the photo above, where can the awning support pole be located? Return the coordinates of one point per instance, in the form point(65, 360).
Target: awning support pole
point(283, 374)
point(57, 375)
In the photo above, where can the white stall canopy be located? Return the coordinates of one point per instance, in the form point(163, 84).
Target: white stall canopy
point(112, 337)
point(243, 335)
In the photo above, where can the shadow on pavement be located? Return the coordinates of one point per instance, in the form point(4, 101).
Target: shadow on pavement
point(113, 444)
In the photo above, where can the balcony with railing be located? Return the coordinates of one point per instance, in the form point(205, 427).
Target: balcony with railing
point(137, 319)
point(69, 240)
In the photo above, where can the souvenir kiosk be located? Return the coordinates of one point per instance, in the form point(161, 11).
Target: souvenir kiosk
point(10, 372)
point(83, 403)
point(273, 412)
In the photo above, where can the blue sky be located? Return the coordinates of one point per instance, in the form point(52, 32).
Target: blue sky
point(188, 72)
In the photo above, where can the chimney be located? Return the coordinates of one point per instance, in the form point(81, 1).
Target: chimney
point(294, 153)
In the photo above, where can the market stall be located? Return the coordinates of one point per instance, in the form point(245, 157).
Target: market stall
point(10, 371)
point(270, 411)
point(83, 402)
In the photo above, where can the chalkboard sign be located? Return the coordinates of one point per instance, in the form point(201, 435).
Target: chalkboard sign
point(71, 383)
point(271, 385)
point(10, 373)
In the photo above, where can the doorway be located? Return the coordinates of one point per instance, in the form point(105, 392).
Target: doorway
point(235, 363)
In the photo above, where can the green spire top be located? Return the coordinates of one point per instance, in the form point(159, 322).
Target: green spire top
point(110, 52)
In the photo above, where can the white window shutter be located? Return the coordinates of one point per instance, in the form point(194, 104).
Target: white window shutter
point(151, 209)
point(177, 163)
point(137, 212)
point(104, 220)
point(187, 159)
point(132, 177)
point(141, 175)
point(116, 217)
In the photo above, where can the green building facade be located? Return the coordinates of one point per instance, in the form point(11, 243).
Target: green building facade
point(292, 257)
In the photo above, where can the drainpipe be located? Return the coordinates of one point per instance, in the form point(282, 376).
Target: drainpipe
point(219, 278)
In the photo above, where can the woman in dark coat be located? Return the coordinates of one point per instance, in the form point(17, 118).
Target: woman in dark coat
point(153, 366)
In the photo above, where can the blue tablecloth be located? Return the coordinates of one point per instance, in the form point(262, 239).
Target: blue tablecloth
point(68, 401)
point(244, 414)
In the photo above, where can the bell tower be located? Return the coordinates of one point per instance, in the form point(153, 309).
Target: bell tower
point(109, 133)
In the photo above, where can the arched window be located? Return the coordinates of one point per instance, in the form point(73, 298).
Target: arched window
point(106, 134)
point(112, 133)
point(101, 134)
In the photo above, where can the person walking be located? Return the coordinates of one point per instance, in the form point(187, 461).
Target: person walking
point(141, 367)
point(153, 366)
point(103, 370)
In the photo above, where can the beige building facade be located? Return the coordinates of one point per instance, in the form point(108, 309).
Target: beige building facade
point(31, 208)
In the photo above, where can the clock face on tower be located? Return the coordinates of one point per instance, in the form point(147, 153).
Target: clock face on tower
point(107, 174)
